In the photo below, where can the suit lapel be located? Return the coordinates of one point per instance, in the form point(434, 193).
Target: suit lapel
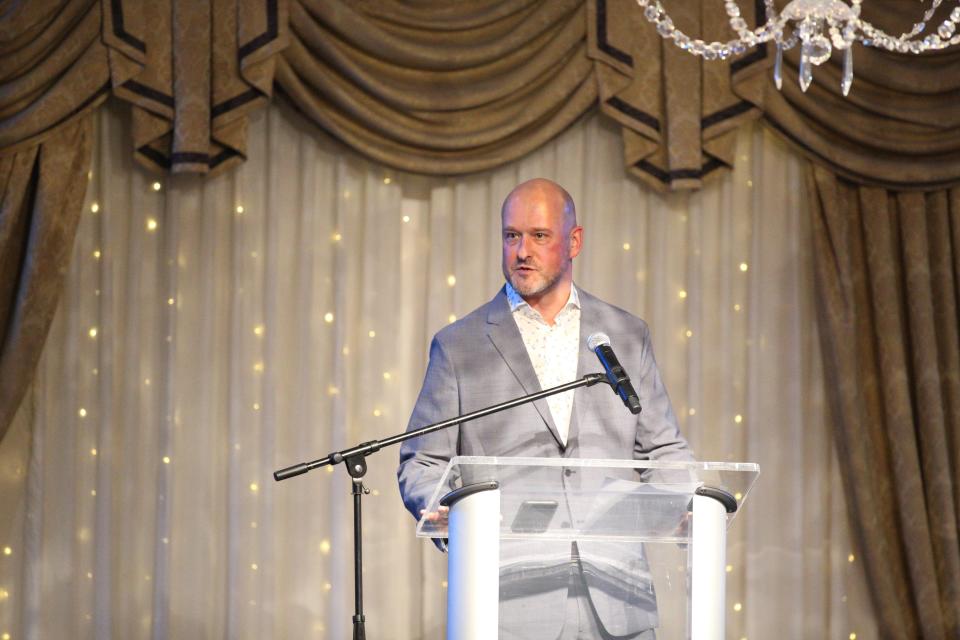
point(586, 363)
point(503, 332)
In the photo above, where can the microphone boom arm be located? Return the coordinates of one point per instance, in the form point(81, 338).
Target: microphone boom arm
point(366, 448)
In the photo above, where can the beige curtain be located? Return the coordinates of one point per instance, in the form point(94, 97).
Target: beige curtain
point(54, 69)
point(148, 509)
point(193, 72)
point(888, 268)
point(900, 126)
point(53, 75)
point(42, 189)
point(434, 89)
point(457, 88)
point(679, 113)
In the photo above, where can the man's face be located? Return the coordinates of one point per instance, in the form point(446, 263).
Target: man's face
point(537, 248)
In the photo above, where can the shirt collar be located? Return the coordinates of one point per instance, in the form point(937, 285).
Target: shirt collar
point(516, 301)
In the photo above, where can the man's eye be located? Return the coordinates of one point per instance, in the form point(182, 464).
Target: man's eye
point(540, 235)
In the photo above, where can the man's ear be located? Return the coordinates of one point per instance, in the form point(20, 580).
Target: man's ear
point(576, 241)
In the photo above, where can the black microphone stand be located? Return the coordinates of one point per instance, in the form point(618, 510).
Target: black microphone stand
point(356, 465)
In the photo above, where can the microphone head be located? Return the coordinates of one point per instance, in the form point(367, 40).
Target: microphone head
point(597, 339)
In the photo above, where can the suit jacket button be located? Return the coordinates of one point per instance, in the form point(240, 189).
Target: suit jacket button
point(568, 472)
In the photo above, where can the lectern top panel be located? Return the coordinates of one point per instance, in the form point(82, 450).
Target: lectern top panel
point(587, 499)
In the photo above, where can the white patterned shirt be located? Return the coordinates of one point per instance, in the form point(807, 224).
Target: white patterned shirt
point(553, 350)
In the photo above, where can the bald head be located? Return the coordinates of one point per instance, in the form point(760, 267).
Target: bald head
point(541, 191)
point(540, 240)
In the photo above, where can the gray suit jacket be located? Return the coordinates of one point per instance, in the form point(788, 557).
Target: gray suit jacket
point(480, 360)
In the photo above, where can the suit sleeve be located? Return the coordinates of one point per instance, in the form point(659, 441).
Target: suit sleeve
point(658, 434)
point(423, 459)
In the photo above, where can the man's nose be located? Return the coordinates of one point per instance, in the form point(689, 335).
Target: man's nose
point(522, 248)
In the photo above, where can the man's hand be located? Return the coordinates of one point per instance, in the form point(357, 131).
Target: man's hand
point(440, 516)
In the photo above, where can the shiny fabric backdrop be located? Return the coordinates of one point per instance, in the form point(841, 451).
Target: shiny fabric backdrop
point(211, 332)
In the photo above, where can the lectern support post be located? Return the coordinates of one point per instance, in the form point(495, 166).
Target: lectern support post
point(708, 569)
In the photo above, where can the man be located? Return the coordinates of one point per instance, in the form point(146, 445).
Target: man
point(532, 336)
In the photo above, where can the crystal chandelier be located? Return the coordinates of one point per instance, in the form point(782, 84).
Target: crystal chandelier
point(818, 26)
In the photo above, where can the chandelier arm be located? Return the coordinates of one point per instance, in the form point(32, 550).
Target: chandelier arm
point(820, 26)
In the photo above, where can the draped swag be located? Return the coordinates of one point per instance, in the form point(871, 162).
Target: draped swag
point(453, 88)
point(898, 129)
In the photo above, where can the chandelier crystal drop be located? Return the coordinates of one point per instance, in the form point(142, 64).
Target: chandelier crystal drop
point(818, 26)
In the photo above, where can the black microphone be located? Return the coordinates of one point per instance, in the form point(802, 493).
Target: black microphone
point(599, 343)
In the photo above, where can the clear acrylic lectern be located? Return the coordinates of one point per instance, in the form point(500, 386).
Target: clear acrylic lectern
point(653, 534)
